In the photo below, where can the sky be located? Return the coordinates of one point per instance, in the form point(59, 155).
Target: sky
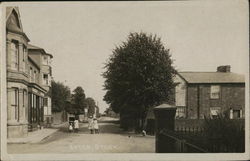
point(201, 35)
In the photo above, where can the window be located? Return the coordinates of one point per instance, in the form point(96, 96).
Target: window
point(215, 92)
point(35, 108)
point(24, 102)
point(45, 79)
point(31, 76)
point(45, 60)
point(215, 111)
point(34, 76)
point(24, 58)
point(15, 102)
point(180, 112)
point(45, 101)
point(235, 113)
point(14, 52)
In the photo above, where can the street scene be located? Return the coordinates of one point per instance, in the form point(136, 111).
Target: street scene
point(118, 77)
point(66, 142)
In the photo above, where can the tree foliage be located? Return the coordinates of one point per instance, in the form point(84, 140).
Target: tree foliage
point(139, 75)
point(59, 95)
point(91, 106)
point(78, 100)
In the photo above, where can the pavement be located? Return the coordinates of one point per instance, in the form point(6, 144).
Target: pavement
point(36, 136)
point(111, 139)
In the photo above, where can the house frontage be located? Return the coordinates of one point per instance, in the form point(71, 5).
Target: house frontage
point(200, 94)
point(43, 59)
point(25, 91)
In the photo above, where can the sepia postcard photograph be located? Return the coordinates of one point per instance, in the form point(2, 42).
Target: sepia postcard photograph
point(125, 80)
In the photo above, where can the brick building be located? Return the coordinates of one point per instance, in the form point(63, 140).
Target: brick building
point(200, 94)
point(25, 92)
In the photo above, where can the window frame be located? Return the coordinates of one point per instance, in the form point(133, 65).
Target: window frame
point(212, 92)
point(15, 55)
point(16, 103)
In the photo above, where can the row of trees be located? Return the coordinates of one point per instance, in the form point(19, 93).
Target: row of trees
point(138, 76)
point(74, 103)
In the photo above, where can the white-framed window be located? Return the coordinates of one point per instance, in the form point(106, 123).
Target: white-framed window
point(215, 92)
point(215, 111)
point(235, 113)
point(15, 102)
point(180, 112)
point(14, 52)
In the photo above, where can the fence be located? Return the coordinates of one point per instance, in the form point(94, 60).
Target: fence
point(195, 140)
point(181, 145)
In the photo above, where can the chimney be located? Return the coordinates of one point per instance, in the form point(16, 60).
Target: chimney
point(224, 68)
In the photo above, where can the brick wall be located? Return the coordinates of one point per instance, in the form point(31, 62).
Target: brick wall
point(198, 99)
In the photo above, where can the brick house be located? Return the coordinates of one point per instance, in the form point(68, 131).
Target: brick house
point(25, 93)
point(200, 94)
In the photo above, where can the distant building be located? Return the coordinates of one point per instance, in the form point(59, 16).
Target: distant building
point(25, 92)
point(200, 94)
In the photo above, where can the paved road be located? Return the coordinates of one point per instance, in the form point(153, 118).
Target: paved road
point(110, 140)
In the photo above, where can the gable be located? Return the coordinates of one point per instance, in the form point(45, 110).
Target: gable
point(13, 22)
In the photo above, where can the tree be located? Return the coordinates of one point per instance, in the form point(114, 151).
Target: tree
point(91, 106)
point(139, 75)
point(59, 95)
point(78, 100)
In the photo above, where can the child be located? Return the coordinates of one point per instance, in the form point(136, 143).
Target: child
point(76, 125)
point(96, 127)
point(70, 127)
point(91, 125)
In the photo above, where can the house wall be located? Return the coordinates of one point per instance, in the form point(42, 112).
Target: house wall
point(37, 56)
point(17, 80)
point(180, 91)
point(198, 99)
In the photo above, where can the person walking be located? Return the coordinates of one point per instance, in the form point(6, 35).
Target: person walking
point(96, 126)
point(76, 125)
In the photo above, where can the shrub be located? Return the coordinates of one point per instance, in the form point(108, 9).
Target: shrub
point(224, 135)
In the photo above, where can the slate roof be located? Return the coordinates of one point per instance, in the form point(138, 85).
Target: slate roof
point(212, 77)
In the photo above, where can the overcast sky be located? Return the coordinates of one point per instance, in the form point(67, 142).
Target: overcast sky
point(81, 35)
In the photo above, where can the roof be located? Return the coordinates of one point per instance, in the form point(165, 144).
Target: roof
point(212, 77)
point(164, 105)
point(33, 47)
point(33, 62)
point(12, 27)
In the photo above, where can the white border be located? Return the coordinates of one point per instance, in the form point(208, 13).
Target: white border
point(104, 156)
